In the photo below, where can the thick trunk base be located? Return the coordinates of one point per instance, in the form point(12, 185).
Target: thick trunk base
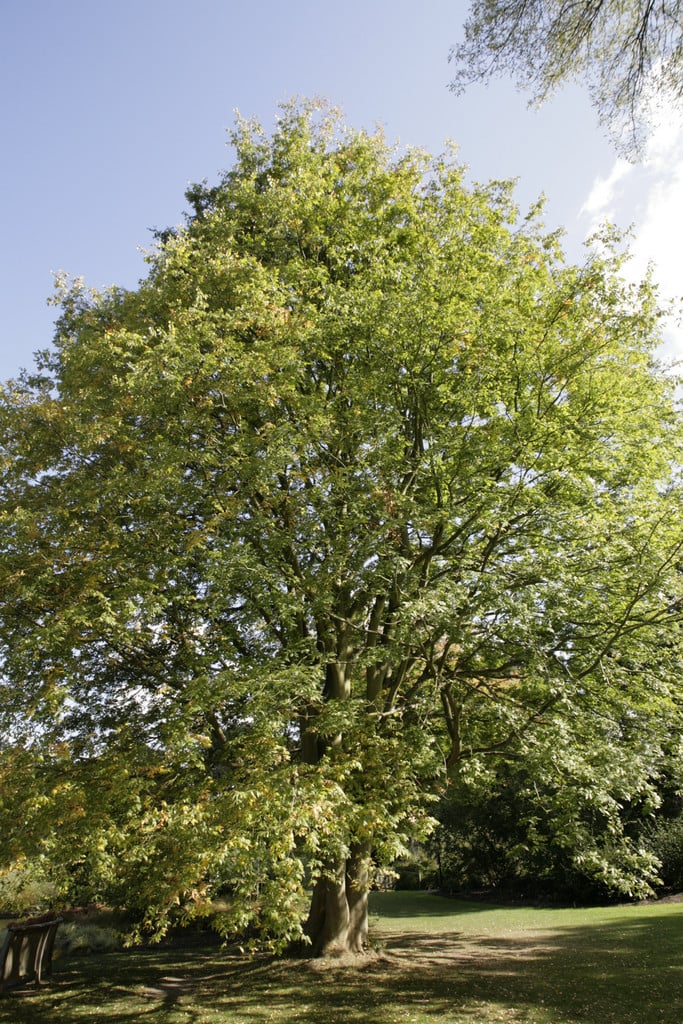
point(337, 923)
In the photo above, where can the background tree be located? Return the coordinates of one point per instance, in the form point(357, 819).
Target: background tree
point(628, 52)
point(361, 485)
point(537, 826)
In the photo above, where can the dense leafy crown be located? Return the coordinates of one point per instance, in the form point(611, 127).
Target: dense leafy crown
point(362, 483)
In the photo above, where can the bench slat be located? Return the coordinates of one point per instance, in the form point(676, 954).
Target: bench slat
point(26, 954)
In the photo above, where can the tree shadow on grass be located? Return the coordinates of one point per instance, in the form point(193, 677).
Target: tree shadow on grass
point(624, 972)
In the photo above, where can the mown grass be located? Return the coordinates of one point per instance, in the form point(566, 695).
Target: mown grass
point(435, 960)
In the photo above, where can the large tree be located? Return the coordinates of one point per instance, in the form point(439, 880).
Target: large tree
point(362, 484)
point(630, 52)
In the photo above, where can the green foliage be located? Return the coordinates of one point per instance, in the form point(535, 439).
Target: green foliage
point(666, 843)
point(565, 820)
point(28, 888)
point(418, 870)
point(557, 828)
point(362, 485)
point(76, 939)
point(630, 53)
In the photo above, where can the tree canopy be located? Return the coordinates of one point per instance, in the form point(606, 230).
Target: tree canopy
point(628, 52)
point(361, 486)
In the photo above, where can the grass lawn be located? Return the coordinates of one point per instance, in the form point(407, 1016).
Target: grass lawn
point(435, 960)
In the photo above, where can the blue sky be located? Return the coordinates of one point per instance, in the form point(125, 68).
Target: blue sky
point(110, 110)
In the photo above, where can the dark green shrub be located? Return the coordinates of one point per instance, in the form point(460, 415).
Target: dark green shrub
point(666, 842)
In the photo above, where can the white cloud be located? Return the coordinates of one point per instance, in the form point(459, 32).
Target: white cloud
point(649, 197)
point(600, 204)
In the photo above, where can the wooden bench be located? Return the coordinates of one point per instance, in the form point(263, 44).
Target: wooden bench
point(26, 953)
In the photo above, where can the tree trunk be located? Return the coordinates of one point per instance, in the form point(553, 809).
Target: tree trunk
point(337, 923)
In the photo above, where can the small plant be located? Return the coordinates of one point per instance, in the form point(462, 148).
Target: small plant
point(78, 938)
point(27, 889)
